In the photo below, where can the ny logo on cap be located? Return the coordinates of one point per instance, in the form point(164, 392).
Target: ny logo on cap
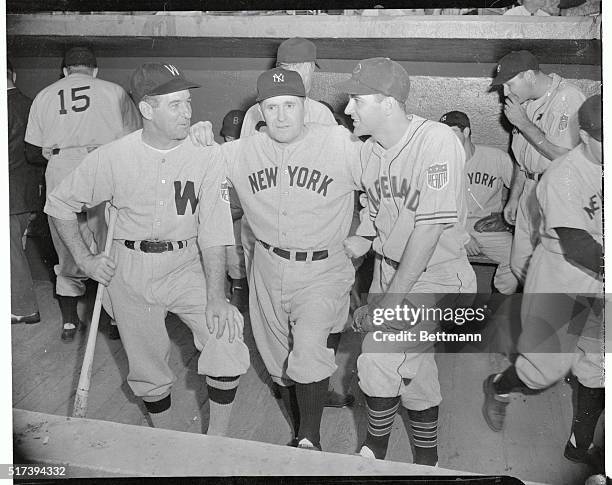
point(173, 70)
point(443, 118)
point(278, 78)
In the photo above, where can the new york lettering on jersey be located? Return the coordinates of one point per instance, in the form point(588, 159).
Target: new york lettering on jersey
point(304, 177)
point(482, 178)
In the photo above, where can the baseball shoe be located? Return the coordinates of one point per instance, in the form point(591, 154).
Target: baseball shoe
point(113, 331)
point(592, 456)
point(306, 444)
point(240, 294)
point(337, 400)
point(32, 318)
point(69, 330)
point(366, 452)
point(494, 407)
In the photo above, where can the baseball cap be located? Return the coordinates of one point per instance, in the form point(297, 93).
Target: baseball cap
point(514, 63)
point(456, 118)
point(259, 125)
point(279, 82)
point(232, 123)
point(155, 78)
point(296, 49)
point(378, 75)
point(80, 56)
point(589, 116)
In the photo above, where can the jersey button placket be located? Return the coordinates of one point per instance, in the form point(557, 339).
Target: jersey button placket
point(284, 201)
point(160, 202)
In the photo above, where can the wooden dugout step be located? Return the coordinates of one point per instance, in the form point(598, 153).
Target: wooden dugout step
point(93, 448)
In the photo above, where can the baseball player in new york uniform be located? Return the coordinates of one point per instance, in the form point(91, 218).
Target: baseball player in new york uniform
point(562, 314)
point(413, 175)
point(542, 109)
point(296, 185)
point(488, 171)
point(170, 209)
point(69, 119)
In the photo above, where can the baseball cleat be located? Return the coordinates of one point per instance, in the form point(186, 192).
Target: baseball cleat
point(334, 399)
point(69, 330)
point(366, 452)
point(494, 407)
point(32, 318)
point(306, 444)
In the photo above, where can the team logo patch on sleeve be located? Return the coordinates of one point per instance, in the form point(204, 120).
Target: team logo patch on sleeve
point(437, 176)
point(563, 122)
point(225, 191)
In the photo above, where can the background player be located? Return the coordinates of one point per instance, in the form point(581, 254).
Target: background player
point(69, 119)
point(170, 210)
point(566, 266)
point(488, 171)
point(542, 108)
point(413, 173)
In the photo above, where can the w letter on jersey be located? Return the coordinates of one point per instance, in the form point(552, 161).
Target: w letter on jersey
point(437, 176)
point(181, 197)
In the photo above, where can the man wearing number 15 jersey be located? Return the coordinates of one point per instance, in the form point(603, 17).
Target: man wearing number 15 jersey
point(69, 119)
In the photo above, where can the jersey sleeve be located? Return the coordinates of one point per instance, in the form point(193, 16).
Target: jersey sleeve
point(88, 185)
point(215, 226)
point(441, 178)
point(562, 123)
point(34, 132)
point(325, 116)
point(352, 156)
point(129, 114)
point(251, 118)
point(505, 167)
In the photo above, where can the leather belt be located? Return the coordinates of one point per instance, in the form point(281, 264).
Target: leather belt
point(155, 246)
point(299, 255)
point(394, 264)
point(56, 151)
point(533, 176)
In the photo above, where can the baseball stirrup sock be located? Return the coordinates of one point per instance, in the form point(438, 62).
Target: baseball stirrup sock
point(311, 400)
point(424, 427)
point(160, 412)
point(221, 394)
point(68, 308)
point(589, 405)
point(333, 341)
point(508, 381)
point(289, 397)
point(381, 414)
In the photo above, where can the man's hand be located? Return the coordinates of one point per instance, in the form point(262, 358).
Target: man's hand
point(98, 267)
point(472, 247)
point(362, 320)
point(219, 315)
point(510, 211)
point(201, 134)
point(356, 246)
point(515, 112)
point(47, 152)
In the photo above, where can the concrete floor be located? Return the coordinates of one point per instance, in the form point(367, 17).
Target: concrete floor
point(46, 371)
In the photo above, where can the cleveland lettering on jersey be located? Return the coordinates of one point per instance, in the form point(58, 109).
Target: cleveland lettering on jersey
point(481, 178)
point(181, 197)
point(594, 205)
point(308, 178)
point(389, 188)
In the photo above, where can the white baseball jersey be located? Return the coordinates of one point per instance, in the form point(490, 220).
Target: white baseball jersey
point(418, 181)
point(487, 171)
point(80, 111)
point(314, 112)
point(555, 114)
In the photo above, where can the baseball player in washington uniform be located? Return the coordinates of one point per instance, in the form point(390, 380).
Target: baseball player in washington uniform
point(413, 173)
point(296, 185)
point(562, 314)
point(488, 171)
point(542, 109)
point(170, 209)
point(69, 119)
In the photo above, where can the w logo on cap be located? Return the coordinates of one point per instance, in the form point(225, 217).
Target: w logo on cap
point(173, 70)
point(278, 78)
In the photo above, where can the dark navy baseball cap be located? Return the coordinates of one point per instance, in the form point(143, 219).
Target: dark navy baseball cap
point(152, 79)
point(279, 82)
point(589, 116)
point(456, 118)
point(232, 123)
point(296, 50)
point(512, 64)
point(378, 75)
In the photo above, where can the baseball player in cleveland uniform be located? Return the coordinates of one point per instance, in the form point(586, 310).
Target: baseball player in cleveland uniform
point(69, 119)
point(170, 208)
point(488, 171)
point(562, 314)
point(413, 175)
point(296, 185)
point(542, 109)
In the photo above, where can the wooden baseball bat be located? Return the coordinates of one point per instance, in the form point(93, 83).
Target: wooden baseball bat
point(82, 393)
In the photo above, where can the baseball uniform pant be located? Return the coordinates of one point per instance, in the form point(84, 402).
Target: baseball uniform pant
point(23, 298)
point(496, 246)
point(412, 372)
point(234, 256)
point(70, 279)
point(247, 238)
point(147, 286)
point(294, 306)
point(559, 334)
point(526, 230)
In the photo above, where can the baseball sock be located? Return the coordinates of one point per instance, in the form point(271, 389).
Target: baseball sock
point(589, 405)
point(221, 394)
point(289, 397)
point(381, 414)
point(160, 412)
point(424, 426)
point(508, 381)
point(68, 307)
point(333, 341)
point(311, 398)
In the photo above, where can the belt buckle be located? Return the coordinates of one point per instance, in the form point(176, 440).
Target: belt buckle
point(153, 246)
